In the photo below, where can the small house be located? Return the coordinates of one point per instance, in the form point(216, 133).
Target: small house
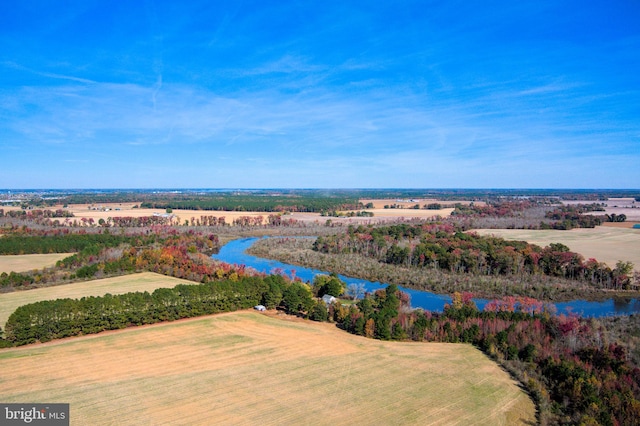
point(328, 299)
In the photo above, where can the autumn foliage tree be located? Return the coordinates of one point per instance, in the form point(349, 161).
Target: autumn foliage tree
point(444, 247)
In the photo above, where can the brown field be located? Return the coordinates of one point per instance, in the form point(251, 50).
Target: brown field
point(145, 281)
point(604, 243)
point(250, 368)
point(27, 262)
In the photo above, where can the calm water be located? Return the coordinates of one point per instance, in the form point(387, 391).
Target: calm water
point(234, 253)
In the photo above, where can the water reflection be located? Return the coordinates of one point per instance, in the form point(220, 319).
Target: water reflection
point(234, 253)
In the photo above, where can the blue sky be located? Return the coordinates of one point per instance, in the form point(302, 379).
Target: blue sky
point(308, 94)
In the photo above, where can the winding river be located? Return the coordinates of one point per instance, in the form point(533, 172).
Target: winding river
point(234, 252)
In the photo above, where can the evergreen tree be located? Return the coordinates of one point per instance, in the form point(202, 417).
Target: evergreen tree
point(319, 312)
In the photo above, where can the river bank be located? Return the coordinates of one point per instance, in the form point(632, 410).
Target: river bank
point(295, 257)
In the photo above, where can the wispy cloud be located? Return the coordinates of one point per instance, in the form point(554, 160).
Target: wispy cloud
point(287, 64)
point(49, 75)
point(434, 95)
point(320, 122)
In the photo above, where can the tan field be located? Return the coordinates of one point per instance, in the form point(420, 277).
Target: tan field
point(627, 206)
point(27, 262)
point(379, 203)
point(107, 210)
point(604, 243)
point(409, 213)
point(250, 368)
point(127, 210)
point(145, 281)
point(380, 214)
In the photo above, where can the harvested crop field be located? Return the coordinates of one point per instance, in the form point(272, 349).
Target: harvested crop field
point(27, 262)
point(604, 243)
point(409, 213)
point(379, 203)
point(249, 368)
point(106, 210)
point(618, 206)
point(145, 281)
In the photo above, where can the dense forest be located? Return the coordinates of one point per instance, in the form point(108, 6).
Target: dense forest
point(19, 243)
point(272, 203)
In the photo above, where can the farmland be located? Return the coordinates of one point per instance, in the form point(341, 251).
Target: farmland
point(145, 281)
point(605, 243)
point(373, 387)
point(96, 212)
point(246, 367)
point(26, 262)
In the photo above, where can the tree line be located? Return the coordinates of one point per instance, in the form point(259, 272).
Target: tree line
point(20, 243)
point(444, 246)
point(55, 319)
point(98, 255)
point(257, 203)
point(299, 251)
point(567, 217)
point(529, 214)
point(36, 213)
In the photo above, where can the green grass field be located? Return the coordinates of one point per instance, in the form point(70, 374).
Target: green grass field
point(250, 368)
point(146, 281)
point(606, 244)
